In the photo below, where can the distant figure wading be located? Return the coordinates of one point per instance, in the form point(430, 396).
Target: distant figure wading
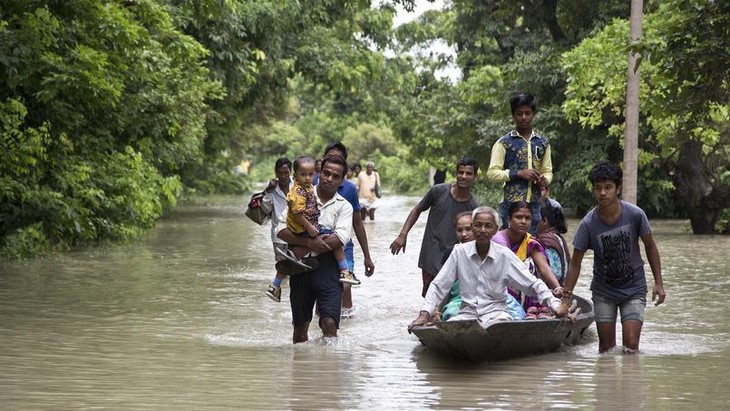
point(367, 182)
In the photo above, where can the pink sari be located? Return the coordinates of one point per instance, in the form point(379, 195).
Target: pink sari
point(523, 250)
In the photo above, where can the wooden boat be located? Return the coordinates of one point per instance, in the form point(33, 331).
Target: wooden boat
point(469, 340)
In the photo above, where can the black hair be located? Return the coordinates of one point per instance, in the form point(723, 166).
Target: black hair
point(336, 145)
point(606, 171)
point(554, 217)
point(302, 160)
point(335, 160)
point(513, 207)
point(522, 99)
point(461, 215)
point(282, 161)
point(468, 161)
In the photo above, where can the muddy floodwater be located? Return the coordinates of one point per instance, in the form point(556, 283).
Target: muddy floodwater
point(180, 321)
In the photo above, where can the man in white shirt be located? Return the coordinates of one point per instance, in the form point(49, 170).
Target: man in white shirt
point(275, 196)
point(321, 285)
point(485, 270)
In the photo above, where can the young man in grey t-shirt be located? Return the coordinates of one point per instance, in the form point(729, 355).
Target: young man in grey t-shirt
point(445, 201)
point(612, 230)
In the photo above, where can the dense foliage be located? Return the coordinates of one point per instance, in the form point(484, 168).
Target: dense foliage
point(110, 110)
point(102, 104)
point(684, 97)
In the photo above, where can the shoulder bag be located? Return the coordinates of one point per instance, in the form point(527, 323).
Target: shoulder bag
point(258, 210)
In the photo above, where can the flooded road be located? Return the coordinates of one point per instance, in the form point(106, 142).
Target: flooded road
point(180, 320)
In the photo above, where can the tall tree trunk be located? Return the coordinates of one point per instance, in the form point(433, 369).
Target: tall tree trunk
point(550, 13)
point(631, 132)
point(695, 190)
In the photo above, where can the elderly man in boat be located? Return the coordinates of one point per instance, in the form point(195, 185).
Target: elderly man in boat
point(485, 270)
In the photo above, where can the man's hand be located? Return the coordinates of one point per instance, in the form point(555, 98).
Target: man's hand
point(658, 295)
point(318, 245)
point(529, 175)
point(369, 267)
point(422, 319)
point(313, 232)
point(300, 251)
point(562, 311)
point(568, 309)
point(435, 317)
point(272, 184)
point(558, 292)
point(398, 244)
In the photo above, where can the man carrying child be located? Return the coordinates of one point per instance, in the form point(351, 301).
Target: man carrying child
point(321, 285)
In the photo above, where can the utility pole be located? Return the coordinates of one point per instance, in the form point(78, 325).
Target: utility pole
point(631, 131)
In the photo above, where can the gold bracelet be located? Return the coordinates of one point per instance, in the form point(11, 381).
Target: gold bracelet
point(567, 292)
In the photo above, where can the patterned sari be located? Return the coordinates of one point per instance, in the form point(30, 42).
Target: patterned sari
point(557, 252)
point(523, 250)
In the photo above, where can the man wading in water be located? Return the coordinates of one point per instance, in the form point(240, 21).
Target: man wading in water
point(321, 285)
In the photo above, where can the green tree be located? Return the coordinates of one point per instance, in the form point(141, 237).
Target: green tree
point(502, 47)
point(684, 99)
point(696, 59)
point(102, 103)
point(263, 52)
point(361, 102)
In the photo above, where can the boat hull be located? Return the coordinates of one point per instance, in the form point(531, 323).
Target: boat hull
point(469, 340)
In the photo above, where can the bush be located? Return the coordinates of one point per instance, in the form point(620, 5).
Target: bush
point(398, 177)
point(24, 242)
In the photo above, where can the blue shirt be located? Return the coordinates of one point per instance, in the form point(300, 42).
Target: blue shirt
point(349, 191)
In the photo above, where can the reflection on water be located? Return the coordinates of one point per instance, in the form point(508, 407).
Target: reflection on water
point(620, 373)
point(181, 320)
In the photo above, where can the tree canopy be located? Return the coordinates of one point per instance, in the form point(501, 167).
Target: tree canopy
point(684, 98)
point(111, 110)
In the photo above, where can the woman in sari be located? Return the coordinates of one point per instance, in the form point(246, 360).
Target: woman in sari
point(549, 234)
point(531, 252)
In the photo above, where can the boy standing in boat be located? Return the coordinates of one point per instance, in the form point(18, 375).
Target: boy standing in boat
point(446, 201)
point(485, 270)
point(612, 230)
point(521, 160)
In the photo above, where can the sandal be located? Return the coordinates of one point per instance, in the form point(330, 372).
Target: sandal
point(545, 312)
point(531, 313)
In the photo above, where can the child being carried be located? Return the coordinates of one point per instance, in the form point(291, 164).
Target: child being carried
point(303, 214)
